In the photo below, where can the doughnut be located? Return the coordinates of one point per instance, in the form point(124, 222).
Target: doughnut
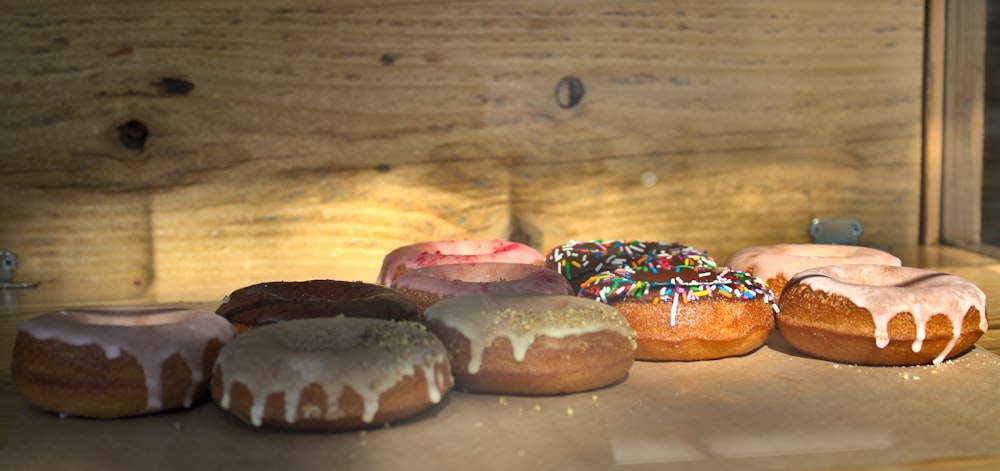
point(328, 374)
point(776, 264)
point(269, 303)
point(686, 313)
point(532, 344)
point(428, 285)
point(111, 362)
point(443, 252)
point(578, 261)
point(881, 315)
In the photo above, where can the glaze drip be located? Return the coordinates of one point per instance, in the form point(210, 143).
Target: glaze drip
point(150, 334)
point(887, 291)
point(369, 356)
point(522, 319)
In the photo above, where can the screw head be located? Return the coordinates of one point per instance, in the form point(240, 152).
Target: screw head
point(8, 262)
point(856, 228)
point(815, 229)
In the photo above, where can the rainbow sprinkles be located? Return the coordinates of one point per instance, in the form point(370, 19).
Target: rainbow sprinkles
point(658, 283)
point(581, 260)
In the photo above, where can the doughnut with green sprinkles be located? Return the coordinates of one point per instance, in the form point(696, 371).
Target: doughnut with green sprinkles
point(676, 284)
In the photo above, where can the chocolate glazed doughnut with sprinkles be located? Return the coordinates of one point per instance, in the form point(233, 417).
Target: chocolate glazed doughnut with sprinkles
point(578, 261)
point(688, 312)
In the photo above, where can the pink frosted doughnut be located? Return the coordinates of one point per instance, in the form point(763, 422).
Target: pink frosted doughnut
point(428, 285)
point(117, 361)
point(776, 264)
point(881, 315)
point(443, 252)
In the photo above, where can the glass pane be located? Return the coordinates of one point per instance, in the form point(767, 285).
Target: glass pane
point(991, 131)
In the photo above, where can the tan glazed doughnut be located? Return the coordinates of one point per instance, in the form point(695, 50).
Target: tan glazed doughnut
point(776, 264)
point(269, 303)
point(688, 312)
point(330, 374)
point(881, 315)
point(443, 252)
point(112, 362)
point(428, 285)
point(532, 344)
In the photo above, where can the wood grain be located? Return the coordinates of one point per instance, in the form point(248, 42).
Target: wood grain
point(934, 88)
point(317, 137)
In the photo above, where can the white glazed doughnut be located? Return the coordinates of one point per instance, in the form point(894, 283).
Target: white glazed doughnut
point(331, 373)
point(117, 361)
point(881, 315)
point(532, 343)
point(453, 251)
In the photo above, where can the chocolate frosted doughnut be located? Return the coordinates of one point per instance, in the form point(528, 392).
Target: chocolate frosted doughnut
point(578, 261)
point(273, 302)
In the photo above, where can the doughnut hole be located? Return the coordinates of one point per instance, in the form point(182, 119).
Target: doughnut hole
point(406, 398)
point(423, 299)
point(777, 284)
point(834, 328)
point(82, 381)
point(551, 365)
point(701, 330)
point(242, 328)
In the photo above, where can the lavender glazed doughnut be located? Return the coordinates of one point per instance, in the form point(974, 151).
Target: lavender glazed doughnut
point(687, 313)
point(881, 315)
point(453, 251)
point(578, 261)
point(111, 362)
point(269, 303)
point(776, 264)
point(532, 344)
point(428, 285)
point(329, 374)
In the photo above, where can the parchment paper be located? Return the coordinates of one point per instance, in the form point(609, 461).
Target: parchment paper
point(771, 409)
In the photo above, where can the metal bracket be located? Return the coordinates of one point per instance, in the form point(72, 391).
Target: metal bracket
point(8, 263)
point(844, 231)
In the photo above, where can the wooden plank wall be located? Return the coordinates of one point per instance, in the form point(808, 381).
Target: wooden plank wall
point(182, 150)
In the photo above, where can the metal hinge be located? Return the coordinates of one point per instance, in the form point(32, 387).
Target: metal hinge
point(8, 263)
point(844, 231)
